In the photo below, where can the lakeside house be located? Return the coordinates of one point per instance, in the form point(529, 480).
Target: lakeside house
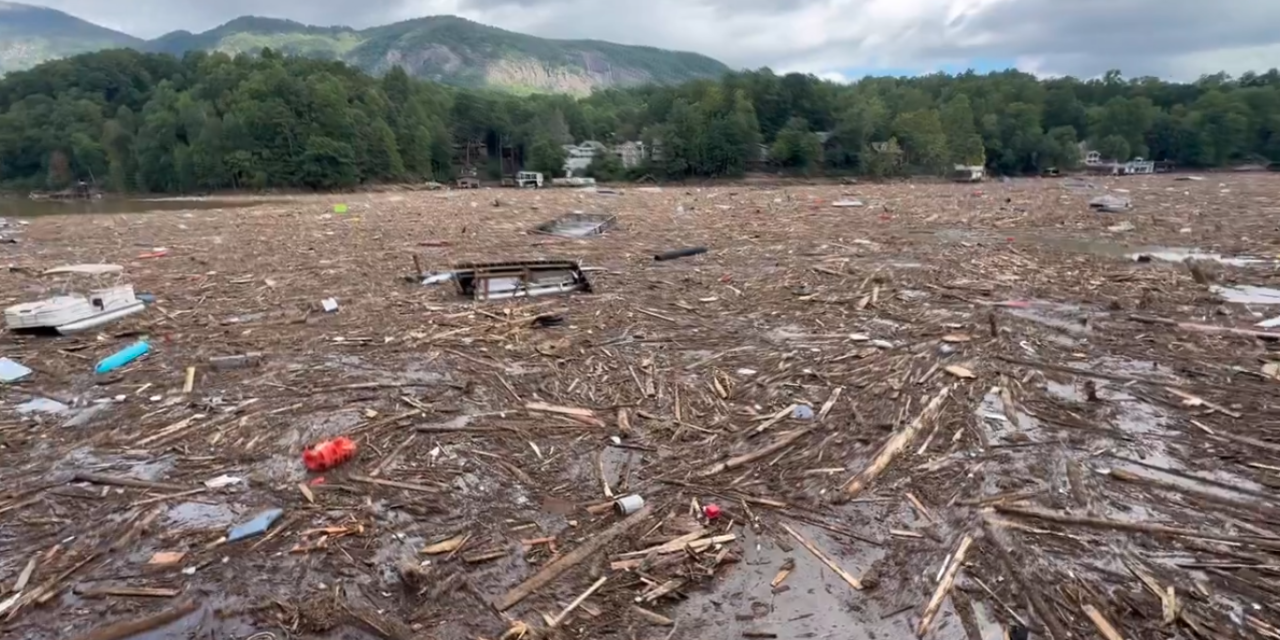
point(580, 156)
point(1094, 163)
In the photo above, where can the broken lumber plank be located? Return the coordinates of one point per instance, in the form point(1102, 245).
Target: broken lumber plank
point(831, 402)
point(1206, 328)
point(774, 447)
point(445, 546)
point(652, 617)
point(120, 481)
point(666, 588)
point(775, 419)
point(1137, 526)
point(577, 601)
point(176, 427)
point(397, 484)
point(558, 566)
point(680, 544)
point(896, 443)
point(822, 557)
point(130, 628)
point(586, 415)
point(1104, 626)
point(25, 576)
point(1038, 605)
point(944, 586)
point(390, 457)
point(131, 592)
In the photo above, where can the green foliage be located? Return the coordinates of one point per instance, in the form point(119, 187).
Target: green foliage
point(1114, 147)
point(963, 144)
point(1062, 150)
point(883, 162)
point(148, 122)
point(796, 147)
point(547, 156)
point(923, 139)
point(606, 167)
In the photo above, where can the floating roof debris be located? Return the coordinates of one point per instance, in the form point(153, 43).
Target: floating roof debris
point(578, 225)
point(531, 278)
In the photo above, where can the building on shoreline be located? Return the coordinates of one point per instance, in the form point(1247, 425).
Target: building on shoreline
point(580, 156)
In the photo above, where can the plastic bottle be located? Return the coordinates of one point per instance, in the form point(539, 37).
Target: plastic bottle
point(123, 357)
point(328, 454)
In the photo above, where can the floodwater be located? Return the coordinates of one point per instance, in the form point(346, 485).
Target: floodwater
point(1179, 254)
point(21, 207)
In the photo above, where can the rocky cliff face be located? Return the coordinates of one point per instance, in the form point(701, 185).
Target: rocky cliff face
point(446, 49)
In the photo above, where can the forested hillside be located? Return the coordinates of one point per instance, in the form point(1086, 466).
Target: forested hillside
point(155, 123)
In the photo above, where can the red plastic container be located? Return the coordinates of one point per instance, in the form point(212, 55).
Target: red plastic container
point(328, 454)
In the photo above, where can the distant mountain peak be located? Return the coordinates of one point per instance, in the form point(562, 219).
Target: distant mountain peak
point(444, 48)
point(30, 35)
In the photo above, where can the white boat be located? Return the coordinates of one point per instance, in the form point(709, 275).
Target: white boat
point(73, 313)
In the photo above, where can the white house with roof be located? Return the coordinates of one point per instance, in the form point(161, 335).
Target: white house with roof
point(580, 156)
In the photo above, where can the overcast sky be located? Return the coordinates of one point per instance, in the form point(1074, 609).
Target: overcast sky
point(1174, 39)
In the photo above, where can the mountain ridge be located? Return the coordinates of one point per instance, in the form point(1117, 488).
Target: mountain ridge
point(30, 35)
point(444, 48)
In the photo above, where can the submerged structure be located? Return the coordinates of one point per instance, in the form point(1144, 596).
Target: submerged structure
point(501, 280)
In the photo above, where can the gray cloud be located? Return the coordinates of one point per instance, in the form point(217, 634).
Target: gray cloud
point(1140, 37)
point(1168, 38)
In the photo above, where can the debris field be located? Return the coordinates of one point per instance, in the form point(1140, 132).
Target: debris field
point(935, 410)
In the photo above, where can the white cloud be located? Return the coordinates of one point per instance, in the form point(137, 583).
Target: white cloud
point(834, 76)
point(1168, 38)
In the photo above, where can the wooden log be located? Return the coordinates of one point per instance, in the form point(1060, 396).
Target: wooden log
point(120, 481)
point(130, 592)
point(1041, 608)
point(895, 444)
point(745, 458)
point(558, 566)
point(1104, 626)
point(577, 601)
point(409, 486)
point(130, 628)
point(822, 557)
point(1140, 527)
point(652, 617)
point(944, 586)
point(1207, 328)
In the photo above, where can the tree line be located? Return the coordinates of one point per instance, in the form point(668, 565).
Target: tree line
point(133, 122)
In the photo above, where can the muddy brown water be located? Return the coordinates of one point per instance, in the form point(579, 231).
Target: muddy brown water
point(20, 207)
point(1052, 442)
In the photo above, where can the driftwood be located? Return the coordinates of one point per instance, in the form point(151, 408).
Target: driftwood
point(129, 628)
point(1206, 328)
point(895, 444)
point(565, 562)
point(577, 601)
point(944, 586)
point(1041, 608)
point(1104, 626)
point(745, 458)
point(822, 557)
point(119, 481)
point(408, 486)
point(1141, 527)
